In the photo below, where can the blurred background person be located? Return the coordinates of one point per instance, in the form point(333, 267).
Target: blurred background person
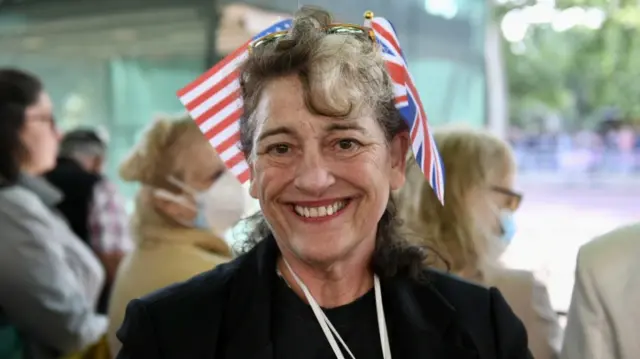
point(185, 201)
point(49, 280)
point(91, 203)
point(476, 225)
point(604, 315)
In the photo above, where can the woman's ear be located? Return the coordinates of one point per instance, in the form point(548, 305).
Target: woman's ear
point(399, 147)
point(174, 206)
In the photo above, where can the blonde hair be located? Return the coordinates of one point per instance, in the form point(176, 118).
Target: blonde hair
point(161, 153)
point(471, 158)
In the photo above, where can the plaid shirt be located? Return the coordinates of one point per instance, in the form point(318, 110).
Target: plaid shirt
point(108, 220)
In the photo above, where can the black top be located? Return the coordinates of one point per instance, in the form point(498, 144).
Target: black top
point(77, 185)
point(227, 313)
point(297, 334)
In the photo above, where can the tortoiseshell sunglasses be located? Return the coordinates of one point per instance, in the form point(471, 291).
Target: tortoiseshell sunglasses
point(347, 29)
point(515, 198)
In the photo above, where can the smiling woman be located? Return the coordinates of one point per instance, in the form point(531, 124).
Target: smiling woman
point(327, 272)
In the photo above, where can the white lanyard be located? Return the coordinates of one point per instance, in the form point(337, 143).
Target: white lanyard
point(331, 333)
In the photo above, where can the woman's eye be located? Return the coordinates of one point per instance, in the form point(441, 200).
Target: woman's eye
point(348, 144)
point(279, 149)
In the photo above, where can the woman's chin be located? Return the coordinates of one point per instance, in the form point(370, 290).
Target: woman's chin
point(322, 250)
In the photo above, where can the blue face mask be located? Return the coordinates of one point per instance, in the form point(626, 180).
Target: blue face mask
point(201, 221)
point(508, 226)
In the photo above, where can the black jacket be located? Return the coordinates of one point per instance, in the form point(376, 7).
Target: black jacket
point(225, 314)
point(77, 186)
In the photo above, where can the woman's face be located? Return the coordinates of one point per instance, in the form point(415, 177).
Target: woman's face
point(40, 137)
point(500, 195)
point(204, 166)
point(323, 183)
point(199, 173)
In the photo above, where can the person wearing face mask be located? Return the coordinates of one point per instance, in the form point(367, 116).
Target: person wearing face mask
point(476, 225)
point(186, 202)
point(217, 208)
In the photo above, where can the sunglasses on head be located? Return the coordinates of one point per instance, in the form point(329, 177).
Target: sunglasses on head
point(341, 29)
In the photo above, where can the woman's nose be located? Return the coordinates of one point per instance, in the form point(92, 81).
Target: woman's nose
point(313, 175)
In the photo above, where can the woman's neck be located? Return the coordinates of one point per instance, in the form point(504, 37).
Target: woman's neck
point(332, 286)
point(30, 170)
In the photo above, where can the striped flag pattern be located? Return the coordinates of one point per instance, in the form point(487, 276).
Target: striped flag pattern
point(214, 101)
point(409, 104)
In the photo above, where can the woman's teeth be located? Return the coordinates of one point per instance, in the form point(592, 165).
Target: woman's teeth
point(323, 211)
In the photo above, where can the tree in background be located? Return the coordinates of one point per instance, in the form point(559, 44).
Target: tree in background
point(583, 75)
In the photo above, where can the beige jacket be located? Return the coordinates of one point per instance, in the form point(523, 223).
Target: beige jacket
point(604, 317)
point(530, 302)
point(163, 255)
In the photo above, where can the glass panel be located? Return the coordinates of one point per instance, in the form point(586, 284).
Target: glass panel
point(110, 70)
point(140, 90)
point(450, 92)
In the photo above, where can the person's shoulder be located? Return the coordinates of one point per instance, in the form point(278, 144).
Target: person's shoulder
point(178, 316)
point(618, 247)
point(19, 198)
point(459, 292)
point(19, 205)
point(483, 313)
point(518, 279)
point(475, 305)
point(191, 298)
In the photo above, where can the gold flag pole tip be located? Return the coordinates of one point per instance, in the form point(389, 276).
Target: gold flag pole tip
point(368, 15)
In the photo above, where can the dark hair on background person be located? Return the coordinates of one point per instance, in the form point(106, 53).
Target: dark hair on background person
point(359, 72)
point(82, 141)
point(18, 90)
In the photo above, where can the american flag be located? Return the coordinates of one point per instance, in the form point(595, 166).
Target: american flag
point(408, 102)
point(215, 103)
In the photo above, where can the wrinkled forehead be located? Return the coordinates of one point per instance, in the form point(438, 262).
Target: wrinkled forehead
point(282, 104)
point(282, 100)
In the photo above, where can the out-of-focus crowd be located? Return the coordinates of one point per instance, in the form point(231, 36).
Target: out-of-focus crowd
point(71, 259)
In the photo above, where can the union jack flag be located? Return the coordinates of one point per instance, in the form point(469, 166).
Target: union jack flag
point(410, 106)
point(214, 101)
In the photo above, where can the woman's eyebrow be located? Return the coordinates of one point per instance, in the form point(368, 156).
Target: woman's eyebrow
point(345, 127)
point(280, 130)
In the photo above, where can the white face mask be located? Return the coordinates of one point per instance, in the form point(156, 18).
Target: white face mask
point(224, 204)
point(219, 207)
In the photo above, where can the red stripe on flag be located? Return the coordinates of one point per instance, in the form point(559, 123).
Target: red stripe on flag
point(224, 124)
point(228, 143)
point(191, 86)
point(210, 92)
point(416, 98)
point(233, 161)
point(422, 116)
point(244, 176)
point(396, 72)
point(212, 111)
point(387, 36)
